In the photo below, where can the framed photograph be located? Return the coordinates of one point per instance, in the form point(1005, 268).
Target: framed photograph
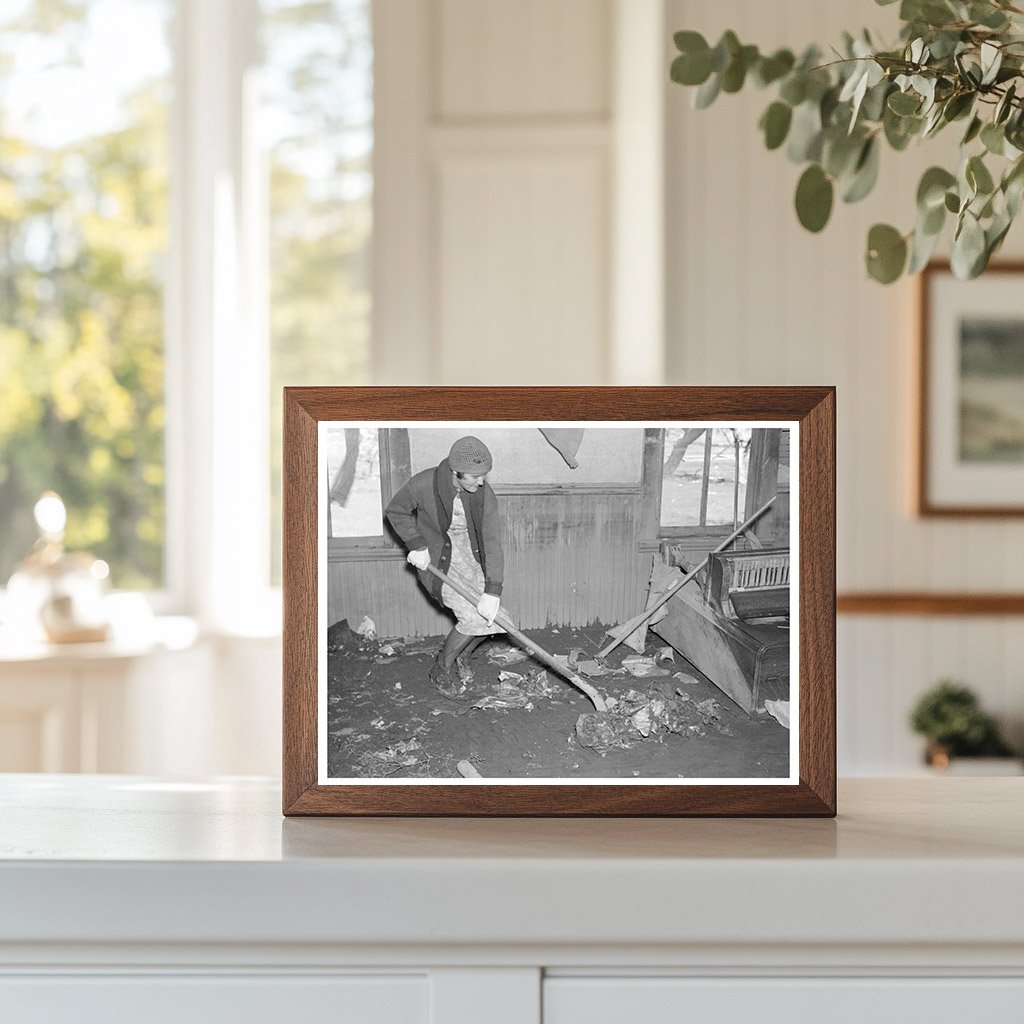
point(559, 601)
point(970, 450)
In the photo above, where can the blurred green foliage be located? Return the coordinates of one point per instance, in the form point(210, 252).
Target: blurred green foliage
point(83, 237)
point(950, 716)
point(82, 229)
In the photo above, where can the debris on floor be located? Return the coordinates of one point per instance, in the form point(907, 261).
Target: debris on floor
point(516, 690)
point(779, 710)
point(635, 717)
point(398, 755)
point(506, 655)
point(381, 699)
point(641, 665)
point(467, 771)
point(367, 628)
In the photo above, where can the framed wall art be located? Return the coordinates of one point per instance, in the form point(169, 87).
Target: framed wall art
point(559, 601)
point(970, 444)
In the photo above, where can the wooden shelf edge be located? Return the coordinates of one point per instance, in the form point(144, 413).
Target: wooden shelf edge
point(928, 603)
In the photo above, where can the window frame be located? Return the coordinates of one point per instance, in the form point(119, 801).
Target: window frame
point(395, 471)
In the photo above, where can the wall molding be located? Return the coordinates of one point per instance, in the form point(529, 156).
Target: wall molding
point(916, 603)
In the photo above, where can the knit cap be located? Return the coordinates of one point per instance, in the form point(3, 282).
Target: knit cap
point(470, 455)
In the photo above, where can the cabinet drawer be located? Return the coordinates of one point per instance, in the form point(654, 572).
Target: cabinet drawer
point(223, 999)
point(782, 1000)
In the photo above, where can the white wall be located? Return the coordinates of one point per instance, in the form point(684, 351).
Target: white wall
point(754, 299)
point(513, 154)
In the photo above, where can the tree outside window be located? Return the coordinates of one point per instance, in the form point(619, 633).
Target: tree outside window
point(83, 238)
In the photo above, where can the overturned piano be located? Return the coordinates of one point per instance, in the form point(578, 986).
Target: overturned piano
point(732, 623)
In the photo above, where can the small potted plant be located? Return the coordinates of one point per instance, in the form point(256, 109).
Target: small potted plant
point(950, 717)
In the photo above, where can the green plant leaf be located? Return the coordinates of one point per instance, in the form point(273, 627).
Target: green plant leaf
point(725, 50)
point(958, 105)
point(904, 103)
point(865, 173)
point(735, 74)
point(900, 130)
point(839, 151)
point(973, 130)
point(707, 93)
point(1005, 104)
point(794, 88)
point(987, 15)
point(931, 191)
point(886, 254)
point(814, 194)
point(993, 138)
point(771, 69)
point(775, 124)
point(805, 133)
point(922, 247)
point(978, 176)
point(968, 255)
point(952, 202)
point(991, 60)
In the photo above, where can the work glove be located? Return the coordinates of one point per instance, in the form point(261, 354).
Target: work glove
point(419, 558)
point(488, 606)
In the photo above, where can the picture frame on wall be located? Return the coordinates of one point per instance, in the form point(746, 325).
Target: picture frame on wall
point(559, 601)
point(970, 385)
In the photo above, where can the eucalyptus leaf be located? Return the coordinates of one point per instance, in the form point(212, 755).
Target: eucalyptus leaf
point(973, 129)
point(932, 221)
point(968, 247)
point(693, 65)
point(775, 124)
point(886, 253)
point(922, 248)
point(794, 88)
point(771, 69)
point(991, 60)
point(904, 103)
point(987, 15)
point(840, 152)
point(805, 133)
point(958, 105)
point(814, 195)
point(978, 176)
point(993, 138)
point(707, 93)
point(865, 173)
point(953, 58)
point(1005, 105)
point(931, 190)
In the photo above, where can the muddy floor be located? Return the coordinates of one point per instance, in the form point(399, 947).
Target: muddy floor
point(385, 719)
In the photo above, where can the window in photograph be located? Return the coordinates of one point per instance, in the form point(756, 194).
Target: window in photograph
point(354, 482)
point(83, 239)
point(704, 480)
point(317, 132)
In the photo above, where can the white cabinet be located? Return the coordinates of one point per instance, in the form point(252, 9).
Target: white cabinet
point(823, 1000)
point(132, 898)
point(202, 999)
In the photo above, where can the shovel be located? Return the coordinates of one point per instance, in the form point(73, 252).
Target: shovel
point(524, 641)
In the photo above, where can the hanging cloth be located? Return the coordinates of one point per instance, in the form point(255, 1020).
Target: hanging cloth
point(566, 441)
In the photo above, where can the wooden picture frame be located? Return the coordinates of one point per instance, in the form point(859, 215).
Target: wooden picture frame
point(805, 414)
point(969, 449)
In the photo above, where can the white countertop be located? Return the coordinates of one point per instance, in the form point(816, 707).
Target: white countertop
point(124, 859)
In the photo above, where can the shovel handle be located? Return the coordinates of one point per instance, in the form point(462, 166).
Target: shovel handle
point(523, 640)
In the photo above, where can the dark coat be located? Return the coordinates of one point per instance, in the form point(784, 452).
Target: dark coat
point(421, 513)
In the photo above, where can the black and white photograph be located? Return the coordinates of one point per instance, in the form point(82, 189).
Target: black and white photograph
point(531, 602)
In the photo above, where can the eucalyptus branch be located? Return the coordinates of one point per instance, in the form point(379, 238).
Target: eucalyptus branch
point(833, 117)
